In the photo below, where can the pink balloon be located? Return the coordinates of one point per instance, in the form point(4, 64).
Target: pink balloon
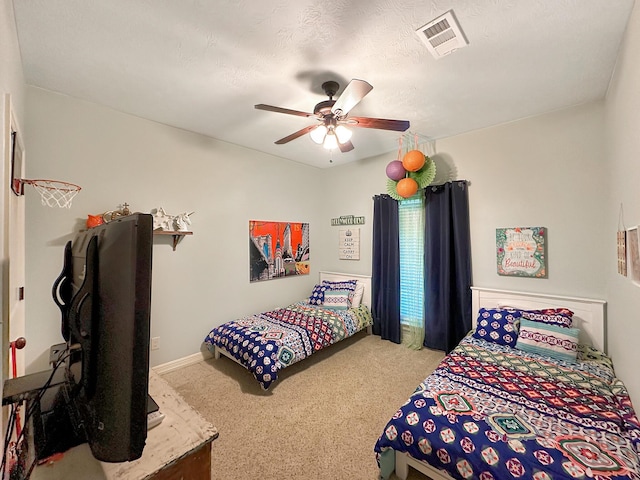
point(395, 170)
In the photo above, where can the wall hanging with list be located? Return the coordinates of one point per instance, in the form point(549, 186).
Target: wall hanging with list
point(349, 244)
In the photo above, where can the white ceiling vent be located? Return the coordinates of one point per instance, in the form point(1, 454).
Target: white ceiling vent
point(442, 35)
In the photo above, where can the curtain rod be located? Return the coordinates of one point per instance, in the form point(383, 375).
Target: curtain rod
point(466, 182)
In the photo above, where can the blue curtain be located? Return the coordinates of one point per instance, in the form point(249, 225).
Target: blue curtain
point(447, 265)
point(385, 278)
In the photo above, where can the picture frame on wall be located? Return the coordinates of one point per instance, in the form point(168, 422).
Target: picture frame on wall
point(278, 249)
point(622, 252)
point(521, 251)
point(633, 258)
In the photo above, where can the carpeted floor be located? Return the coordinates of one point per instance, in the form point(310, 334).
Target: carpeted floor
point(319, 421)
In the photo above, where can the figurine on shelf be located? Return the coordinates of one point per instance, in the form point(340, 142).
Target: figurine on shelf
point(161, 220)
point(113, 214)
point(183, 221)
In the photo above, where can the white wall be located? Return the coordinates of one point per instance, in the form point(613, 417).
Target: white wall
point(623, 187)
point(11, 79)
point(542, 171)
point(568, 171)
point(118, 158)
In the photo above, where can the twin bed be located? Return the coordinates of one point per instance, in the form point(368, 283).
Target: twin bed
point(508, 403)
point(267, 342)
point(528, 394)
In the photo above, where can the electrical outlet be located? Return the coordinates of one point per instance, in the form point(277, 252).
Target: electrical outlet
point(155, 343)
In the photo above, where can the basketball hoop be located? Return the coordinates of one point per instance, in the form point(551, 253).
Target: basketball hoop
point(54, 193)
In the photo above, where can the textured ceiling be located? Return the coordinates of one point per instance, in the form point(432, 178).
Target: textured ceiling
point(202, 65)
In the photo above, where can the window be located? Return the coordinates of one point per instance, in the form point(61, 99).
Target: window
point(411, 218)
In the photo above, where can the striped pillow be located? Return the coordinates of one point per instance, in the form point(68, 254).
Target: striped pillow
point(336, 299)
point(349, 285)
point(553, 341)
point(562, 317)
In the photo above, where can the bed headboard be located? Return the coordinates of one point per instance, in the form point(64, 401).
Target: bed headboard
point(588, 314)
point(338, 277)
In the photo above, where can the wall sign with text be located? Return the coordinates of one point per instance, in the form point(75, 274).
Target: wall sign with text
point(349, 244)
point(521, 251)
point(347, 220)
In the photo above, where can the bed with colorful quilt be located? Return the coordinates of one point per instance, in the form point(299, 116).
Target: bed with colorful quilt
point(267, 342)
point(529, 393)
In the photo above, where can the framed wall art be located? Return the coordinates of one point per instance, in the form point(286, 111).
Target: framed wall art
point(622, 252)
point(621, 238)
point(349, 244)
point(278, 249)
point(521, 251)
point(633, 260)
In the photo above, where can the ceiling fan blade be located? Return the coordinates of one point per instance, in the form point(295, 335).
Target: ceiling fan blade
point(351, 96)
point(288, 111)
point(295, 135)
point(379, 123)
point(346, 146)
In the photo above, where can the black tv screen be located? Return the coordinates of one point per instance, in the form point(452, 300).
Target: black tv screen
point(107, 332)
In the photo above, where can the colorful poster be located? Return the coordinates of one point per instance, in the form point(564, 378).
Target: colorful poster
point(277, 249)
point(521, 251)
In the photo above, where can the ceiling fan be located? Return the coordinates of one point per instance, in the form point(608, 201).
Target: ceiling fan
point(331, 130)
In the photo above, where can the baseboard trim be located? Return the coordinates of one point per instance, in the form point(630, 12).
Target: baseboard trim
point(182, 362)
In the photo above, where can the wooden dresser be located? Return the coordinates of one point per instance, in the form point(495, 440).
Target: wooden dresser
point(179, 448)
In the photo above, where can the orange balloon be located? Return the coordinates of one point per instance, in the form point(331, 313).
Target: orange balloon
point(413, 160)
point(407, 187)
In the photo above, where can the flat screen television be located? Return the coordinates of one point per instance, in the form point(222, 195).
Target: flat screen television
point(104, 292)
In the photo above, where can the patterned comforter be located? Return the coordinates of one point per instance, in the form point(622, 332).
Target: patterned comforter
point(270, 341)
point(494, 412)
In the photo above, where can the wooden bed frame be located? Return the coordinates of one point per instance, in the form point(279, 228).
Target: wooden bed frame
point(589, 316)
point(331, 277)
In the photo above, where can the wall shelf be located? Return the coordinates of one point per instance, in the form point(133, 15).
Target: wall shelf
point(177, 235)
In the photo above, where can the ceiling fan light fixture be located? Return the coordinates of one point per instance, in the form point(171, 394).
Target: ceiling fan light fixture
point(318, 134)
point(331, 114)
point(330, 141)
point(343, 133)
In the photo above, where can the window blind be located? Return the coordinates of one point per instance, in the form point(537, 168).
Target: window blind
point(411, 219)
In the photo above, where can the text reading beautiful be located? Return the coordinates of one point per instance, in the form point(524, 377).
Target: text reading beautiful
point(520, 251)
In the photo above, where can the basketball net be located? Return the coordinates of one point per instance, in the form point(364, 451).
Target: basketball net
point(54, 193)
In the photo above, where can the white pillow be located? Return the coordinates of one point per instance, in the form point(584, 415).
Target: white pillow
point(357, 295)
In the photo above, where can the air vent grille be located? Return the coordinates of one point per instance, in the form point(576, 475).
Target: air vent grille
point(439, 27)
point(442, 35)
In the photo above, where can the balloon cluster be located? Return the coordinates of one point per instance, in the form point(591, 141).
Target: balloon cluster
point(405, 177)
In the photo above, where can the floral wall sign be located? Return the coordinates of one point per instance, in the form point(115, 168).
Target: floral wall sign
point(521, 251)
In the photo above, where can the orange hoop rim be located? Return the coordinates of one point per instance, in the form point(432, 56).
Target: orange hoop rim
point(52, 184)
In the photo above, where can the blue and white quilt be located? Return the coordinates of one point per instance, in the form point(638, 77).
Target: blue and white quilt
point(490, 411)
point(270, 341)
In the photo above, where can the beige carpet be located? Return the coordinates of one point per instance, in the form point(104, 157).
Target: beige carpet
point(319, 421)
